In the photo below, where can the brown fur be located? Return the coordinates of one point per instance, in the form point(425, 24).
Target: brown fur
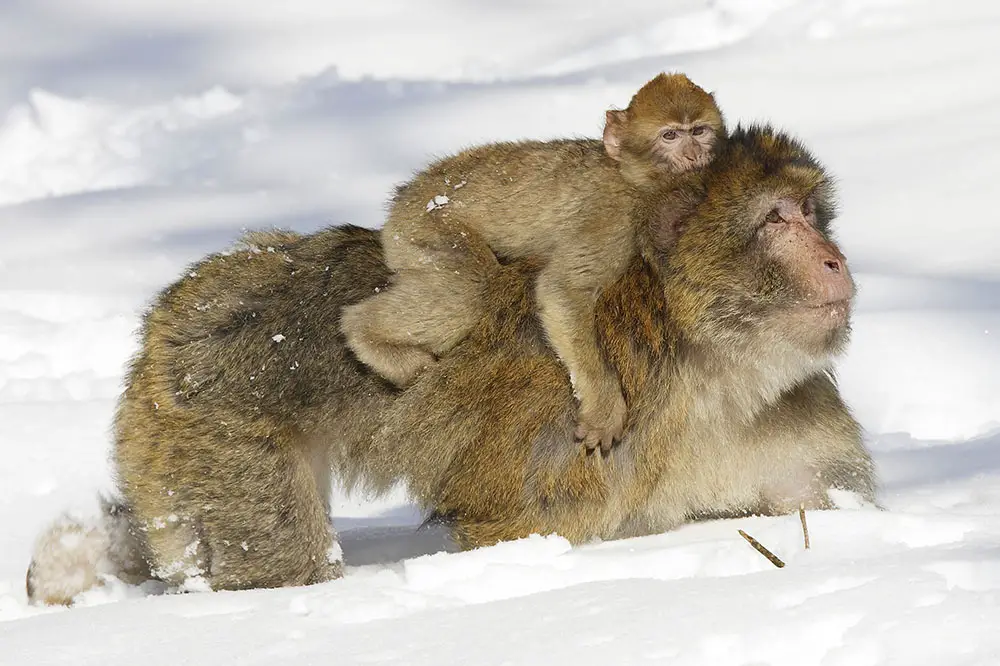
point(565, 203)
point(225, 438)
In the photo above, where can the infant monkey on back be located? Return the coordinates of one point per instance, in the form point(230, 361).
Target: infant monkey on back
point(565, 203)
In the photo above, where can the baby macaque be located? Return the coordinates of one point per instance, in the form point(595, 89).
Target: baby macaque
point(565, 204)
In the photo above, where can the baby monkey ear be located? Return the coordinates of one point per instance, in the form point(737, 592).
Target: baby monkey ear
point(614, 129)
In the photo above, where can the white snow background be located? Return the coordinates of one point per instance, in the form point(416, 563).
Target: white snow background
point(137, 136)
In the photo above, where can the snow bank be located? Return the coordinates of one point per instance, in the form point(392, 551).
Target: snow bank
point(53, 146)
point(872, 585)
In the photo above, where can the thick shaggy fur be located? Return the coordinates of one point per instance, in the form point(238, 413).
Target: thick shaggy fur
point(244, 397)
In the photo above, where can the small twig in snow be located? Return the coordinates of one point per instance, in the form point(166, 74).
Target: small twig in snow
point(805, 528)
point(772, 558)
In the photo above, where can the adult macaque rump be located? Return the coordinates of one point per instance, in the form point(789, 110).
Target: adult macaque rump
point(566, 204)
point(722, 330)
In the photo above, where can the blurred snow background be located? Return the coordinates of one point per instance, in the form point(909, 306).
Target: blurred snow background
point(138, 136)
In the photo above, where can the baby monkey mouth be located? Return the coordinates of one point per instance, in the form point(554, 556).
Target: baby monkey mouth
point(680, 166)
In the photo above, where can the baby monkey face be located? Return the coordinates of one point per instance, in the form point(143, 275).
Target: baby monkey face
point(671, 127)
point(682, 147)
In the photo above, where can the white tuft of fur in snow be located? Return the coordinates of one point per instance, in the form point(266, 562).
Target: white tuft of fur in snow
point(71, 556)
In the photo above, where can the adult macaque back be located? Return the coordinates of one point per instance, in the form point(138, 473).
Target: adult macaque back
point(244, 397)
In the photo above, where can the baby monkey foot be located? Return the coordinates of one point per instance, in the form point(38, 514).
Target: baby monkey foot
point(601, 425)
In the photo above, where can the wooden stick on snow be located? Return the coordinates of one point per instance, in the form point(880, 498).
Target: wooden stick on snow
point(772, 558)
point(805, 528)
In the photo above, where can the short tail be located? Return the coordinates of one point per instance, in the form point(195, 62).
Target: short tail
point(73, 556)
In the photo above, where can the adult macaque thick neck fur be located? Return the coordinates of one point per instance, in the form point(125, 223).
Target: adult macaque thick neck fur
point(565, 204)
point(244, 398)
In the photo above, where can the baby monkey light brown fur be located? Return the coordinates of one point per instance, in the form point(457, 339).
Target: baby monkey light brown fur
point(244, 399)
point(566, 204)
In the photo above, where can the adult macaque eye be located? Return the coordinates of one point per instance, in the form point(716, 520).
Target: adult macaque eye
point(669, 135)
point(807, 207)
point(774, 217)
point(698, 131)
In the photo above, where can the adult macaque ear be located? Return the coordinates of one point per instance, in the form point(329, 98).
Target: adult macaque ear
point(614, 127)
point(666, 229)
point(670, 220)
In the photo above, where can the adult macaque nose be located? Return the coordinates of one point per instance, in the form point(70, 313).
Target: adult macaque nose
point(833, 281)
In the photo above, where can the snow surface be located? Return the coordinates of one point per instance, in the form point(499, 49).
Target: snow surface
point(136, 137)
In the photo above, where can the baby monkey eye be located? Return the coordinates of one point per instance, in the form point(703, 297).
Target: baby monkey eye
point(773, 217)
point(807, 207)
point(669, 135)
point(699, 130)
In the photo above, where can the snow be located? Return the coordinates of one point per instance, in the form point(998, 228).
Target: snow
point(135, 137)
point(439, 201)
point(53, 146)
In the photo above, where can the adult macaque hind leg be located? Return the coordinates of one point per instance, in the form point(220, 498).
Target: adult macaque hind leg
point(258, 520)
point(270, 526)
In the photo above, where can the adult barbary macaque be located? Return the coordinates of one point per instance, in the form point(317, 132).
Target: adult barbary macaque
point(722, 331)
point(564, 203)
